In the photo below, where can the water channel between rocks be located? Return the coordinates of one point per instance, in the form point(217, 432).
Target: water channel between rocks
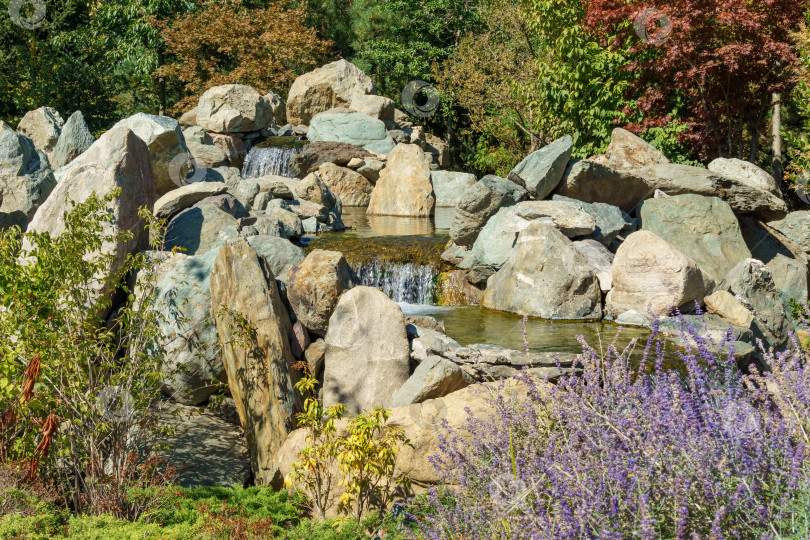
point(401, 256)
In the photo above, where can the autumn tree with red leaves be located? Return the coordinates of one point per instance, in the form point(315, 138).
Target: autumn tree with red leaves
point(715, 68)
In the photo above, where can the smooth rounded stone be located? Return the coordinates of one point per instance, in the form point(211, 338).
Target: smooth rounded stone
point(433, 378)
point(542, 170)
point(315, 355)
point(188, 118)
point(200, 439)
point(600, 259)
point(724, 304)
point(652, 276)
point(119, 159)
point(353, 188)
point(488, 362)
point(375, 106)
point(74, 139)
point(367, 351)
point(316, 154)
point(752, 283)
point(746, 172)
point(495, 241)
point(627, 151)
point(197, 134)
point(563, 286)
point(315, 190)
point(307, 209)
point(371, 169)
point(632, 317)
point(290, 223)
point(280, 254)
point(449, 186)
point(192, 365)
point(43, 127)
point(479, 203)
point(333, 85)
point(261, 374)
point(315, 285)
point(611, 222)
point(703, 228)
point(277, 187)
point(225, 202)
point(206, 155)
point(590, 181)
point(186, 196)
point(279, 107)
point(796, 226)
point(233, 148)
point(197, 229)
point(233, 108)
point(785, 258)
point(165, 140)
point(347, 126)
point(404, 187)
point(26, 179)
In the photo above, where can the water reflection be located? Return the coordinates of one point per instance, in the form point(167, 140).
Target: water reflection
point(369, 226)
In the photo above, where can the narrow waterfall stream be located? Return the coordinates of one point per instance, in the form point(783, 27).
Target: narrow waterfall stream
point(263, 161)
point(402, 282)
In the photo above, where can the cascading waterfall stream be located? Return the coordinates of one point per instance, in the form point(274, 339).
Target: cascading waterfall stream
point(402, 282)
point(268, 161)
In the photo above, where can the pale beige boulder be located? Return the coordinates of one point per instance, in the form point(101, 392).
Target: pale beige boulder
point(333, 85)
point(404, 187)
point(353, 188)
point(726, 305)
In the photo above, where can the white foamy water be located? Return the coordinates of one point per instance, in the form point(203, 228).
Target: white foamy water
point(268, 161)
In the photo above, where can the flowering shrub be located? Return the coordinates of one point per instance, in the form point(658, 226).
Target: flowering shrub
point(616, 452)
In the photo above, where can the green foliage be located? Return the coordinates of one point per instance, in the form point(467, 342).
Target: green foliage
point(666, 140)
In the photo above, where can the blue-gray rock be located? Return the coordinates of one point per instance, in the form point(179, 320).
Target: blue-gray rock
point(479, 203)
point(449, 186)
point(74, 139)
point(198, 229)
point(541, 171)
point(611, 222)
point(435, 377)
point(704, 229)
point(796, 226)
point(26, 179)
point(347, 126)
point(545, 277)
point(281, 255)
point(600, 259)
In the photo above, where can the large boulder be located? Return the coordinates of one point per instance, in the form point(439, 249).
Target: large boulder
point(542, 170)
point(627, 151)
point(74, 139)
point(333, 85)
point(43, 127)
point(752, 283)
point(590, 181)
point(165, 140)
point(280, 254)
point(279, 107)
point(746, 172)
point(188, 118)
point(367, 351)
point(119, 159)
point(795, 226)
point(376, 106)
point(186, 196)
point(611, 222)
point(404, 187)
point(353, 188)
point(26, 179)
point(494, 244)
point(206, 156)
point(254, 328)
point(702, 228)
point(600, 259)
point(479, 203)
point(233, 108)
point(435, 377)
point(233, 147)
point(345, 125)
point(651, 276)
point(316, 154)
point(449, 186)
point(199, 229)
point(438, 150)
point(726, 305)
point(315, 285)
point(545, 277)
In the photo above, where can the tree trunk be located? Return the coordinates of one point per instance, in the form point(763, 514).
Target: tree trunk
point(161, 87)
point(777, 139)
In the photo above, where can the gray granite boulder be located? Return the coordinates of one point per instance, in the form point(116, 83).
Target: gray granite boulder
point(542, 170)
point(74, 139)
point(479, 203)
point(347, 126)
